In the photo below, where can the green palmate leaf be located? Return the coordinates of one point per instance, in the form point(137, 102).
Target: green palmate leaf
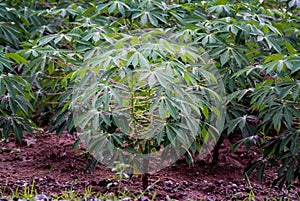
point(112, 7)
point(224, 57)
point(153, 20)
point(289, 174)
point(160, 136)
point(143, 61)
point(261, 172)
point(144, 19)
point(162, 111)
point(204, 110)
point(294, 146)
point(4, 62)
point(6, 129)
point(133, 60)
point(17, 130)
point(118, 140)
point(23, 104)
point(46, 40)
point(289, 47)
point(273, 44)
point(152, 80)
point(171, 109)
point(83, 120)
point(161, 79)
point(274, 57)
point(291, 62)
point(171, 135)
point(122, 123)
point(277, 120)
point(232, 125)
point(288, 117)
point(17, 58)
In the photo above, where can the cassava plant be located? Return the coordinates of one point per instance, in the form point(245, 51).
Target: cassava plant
point(139, 103)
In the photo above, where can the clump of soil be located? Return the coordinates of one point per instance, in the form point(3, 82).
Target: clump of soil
point(54, 167)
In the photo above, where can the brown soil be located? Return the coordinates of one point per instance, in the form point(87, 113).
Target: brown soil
point(55, 167)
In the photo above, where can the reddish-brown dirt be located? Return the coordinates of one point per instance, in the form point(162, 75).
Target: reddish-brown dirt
point(55, 167)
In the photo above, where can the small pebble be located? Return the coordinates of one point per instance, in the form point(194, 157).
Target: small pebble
point(25, 184)
point(143, 198)
point(169, 183)
point(41, 197)
point(219, 181)
point(126, 199)
point(92, 198)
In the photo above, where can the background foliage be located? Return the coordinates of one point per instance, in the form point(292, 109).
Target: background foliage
point(46, 46)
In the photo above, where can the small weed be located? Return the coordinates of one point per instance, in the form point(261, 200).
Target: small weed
point(250, 195)
point(120, 174)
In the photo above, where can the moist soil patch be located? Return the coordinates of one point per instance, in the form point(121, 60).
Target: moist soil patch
point(55, 167)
